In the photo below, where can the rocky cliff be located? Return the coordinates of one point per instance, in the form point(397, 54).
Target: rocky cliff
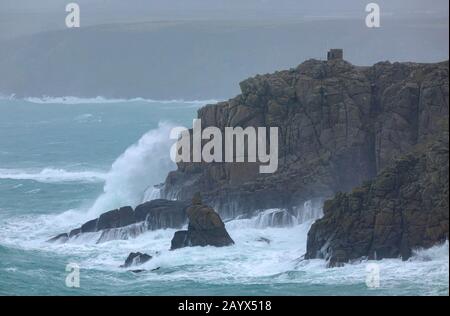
point(339, 125)
point(405, 207)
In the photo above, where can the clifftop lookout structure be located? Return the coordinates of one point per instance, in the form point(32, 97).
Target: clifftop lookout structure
point(335, 54)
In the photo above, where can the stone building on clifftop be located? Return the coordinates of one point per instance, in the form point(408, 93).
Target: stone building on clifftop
point(335, 54)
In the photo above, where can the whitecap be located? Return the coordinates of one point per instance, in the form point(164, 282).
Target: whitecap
point(51, 175)
point(103, 100)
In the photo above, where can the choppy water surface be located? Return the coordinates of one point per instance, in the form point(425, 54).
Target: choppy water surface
point(66, 160)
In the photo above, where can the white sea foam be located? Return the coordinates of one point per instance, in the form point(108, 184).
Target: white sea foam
point(51, 175)
point(151, 193)
point(141, 166)
point(268, 255)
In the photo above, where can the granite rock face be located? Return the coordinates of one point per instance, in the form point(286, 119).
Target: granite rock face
point(205, 228)
point(405, 207)
point(339, 125)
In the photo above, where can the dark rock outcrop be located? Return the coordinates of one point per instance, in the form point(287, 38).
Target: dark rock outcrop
point(162, 214)
point(88, 227)
point(121, 217)
point(124, 223)
point(59, 238)
point(205, 228)
point(339, 125)
point(405, 207)
point(135, 259)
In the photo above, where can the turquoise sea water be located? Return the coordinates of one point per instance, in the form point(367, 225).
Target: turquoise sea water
point(64, 161)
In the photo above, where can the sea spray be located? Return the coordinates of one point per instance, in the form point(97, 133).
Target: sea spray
point(152, 193)
point(141, 166)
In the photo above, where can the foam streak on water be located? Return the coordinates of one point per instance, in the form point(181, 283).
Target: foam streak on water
point(102, 100)
point(51, 175)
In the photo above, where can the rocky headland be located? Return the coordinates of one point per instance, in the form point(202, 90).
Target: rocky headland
point(371, 140)
point(379, 133)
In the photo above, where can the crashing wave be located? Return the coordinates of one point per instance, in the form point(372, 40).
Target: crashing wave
point(141, 166)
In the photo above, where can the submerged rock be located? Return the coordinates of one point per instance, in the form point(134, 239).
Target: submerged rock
point(135, 259)
point(205, 228)
point(264, 239)
point(143, 270)
point(62, 238)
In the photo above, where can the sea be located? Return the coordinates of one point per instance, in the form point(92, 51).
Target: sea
point(66, 160)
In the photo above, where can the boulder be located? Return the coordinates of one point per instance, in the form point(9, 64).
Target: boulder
point(205, 228)
point(179, 240)
point(135, 259)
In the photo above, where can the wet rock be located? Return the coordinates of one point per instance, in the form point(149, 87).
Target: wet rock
point(90, 226)
point(135, 259)
point(74, 232)
point(404, 208)
point(62, 238)
point(116, 218)
point(180, 240)
point(162, 214)
point(143, 270)
point(205, 228)
point(125, 223)
point(264, 239)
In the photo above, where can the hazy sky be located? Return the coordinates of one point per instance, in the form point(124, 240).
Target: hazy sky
point(19, 17)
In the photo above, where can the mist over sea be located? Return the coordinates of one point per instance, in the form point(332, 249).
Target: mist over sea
point(66, 160)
